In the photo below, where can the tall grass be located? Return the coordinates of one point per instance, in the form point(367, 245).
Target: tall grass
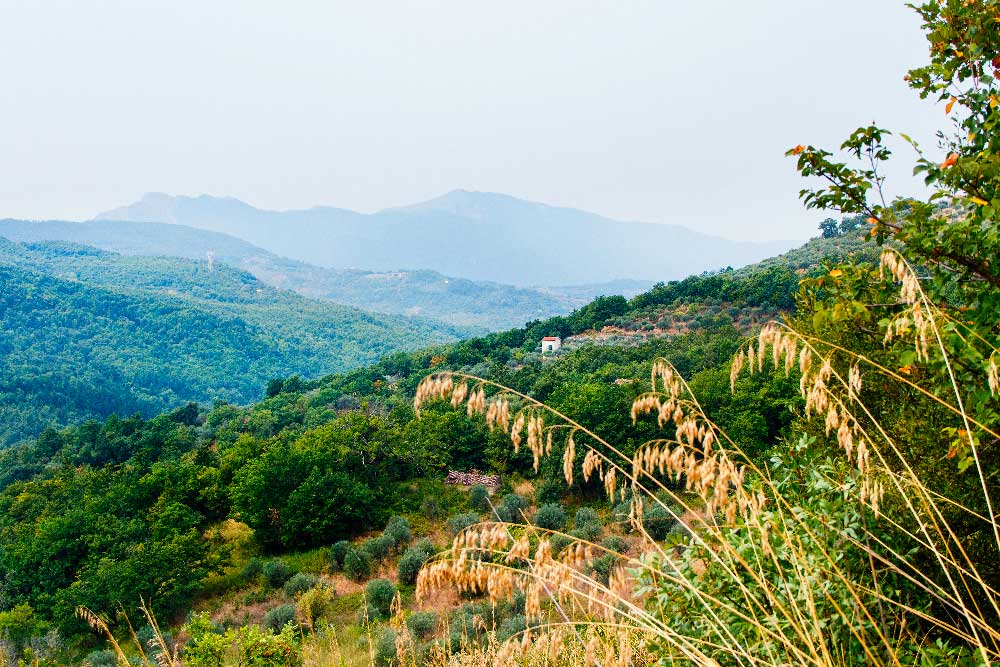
point(823, 557)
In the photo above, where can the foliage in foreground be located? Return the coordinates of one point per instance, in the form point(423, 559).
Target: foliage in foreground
point(872, 537)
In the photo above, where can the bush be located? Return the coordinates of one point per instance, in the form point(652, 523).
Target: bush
point(380, 593)
point(379, 547)
point(615, 543)
point(315, 604)
point(398, 529)
point(589, 532)
point(559, 542)
point(510, 507)
point(549, 492)
point(337, 553)
point(460, 522)
point(367, 614)
point(431, 508)
point(479, 498)
point(511, 627)
point(658, 522)
point(101, 658)
point(252, 569)
point(422, 624)
point(584, 517)
point(264, 649)
point(413, 559)
point(357, 564)
point(602, 567)
point(385, 648)
point(300, 583)
point(550, 517)
point(277, 618)
point(517, 602)
point(621, 513)
point(276, 572)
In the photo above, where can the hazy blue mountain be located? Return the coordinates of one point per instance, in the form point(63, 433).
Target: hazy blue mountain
point(474, 305)
point(473, 235)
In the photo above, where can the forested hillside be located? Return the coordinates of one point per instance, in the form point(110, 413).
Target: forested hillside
point(86, 333)
point(320, 461)
point(473, 305)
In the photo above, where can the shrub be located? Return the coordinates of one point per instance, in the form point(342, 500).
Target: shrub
point(367, 614)
point(276, 572)
point(431, 508)
point(460, 522)
point(517, 602)
point(422, 624)
point(385, 648)
point(357, 564)
point(510, 507)
point(413, 559)
point(379, 547)
point(560, 542)
point(602, 567)
point(252, 569)
point(479, 498)
point(615, 543)
point(263, 649)
point(277, 618)
point(511, 627)
point(589, 532)
point(300, 583)
point(621, 514)
point(398, 529)
point(549, 492)
point(551, 517)
point(101, 658)
point(337, 553)
point(584, 517)
point(380, 593)
point(658, 522)
point(315, 604)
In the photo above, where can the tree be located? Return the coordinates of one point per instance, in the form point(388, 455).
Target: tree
point(829, 228)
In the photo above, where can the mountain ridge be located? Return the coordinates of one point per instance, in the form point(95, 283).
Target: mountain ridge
point(478, 306)
point(467, 234)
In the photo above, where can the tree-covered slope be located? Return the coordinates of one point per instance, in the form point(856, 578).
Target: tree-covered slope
point(475, 305)
point(86, 333)
point(326, 459)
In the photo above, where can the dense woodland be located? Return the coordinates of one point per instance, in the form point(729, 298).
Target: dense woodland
point(87, 333)
point(108, 511)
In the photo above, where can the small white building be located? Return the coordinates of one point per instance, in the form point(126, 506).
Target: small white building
point(551, 344)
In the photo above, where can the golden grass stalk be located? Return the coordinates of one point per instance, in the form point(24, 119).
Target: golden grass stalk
point(783, 579)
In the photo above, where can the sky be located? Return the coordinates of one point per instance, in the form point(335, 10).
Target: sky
point(659, 111)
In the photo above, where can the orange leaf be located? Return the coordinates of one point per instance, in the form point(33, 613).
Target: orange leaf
point(948, 107)
point(872, 221)
point(949, 161)
point(798, 150)
point(836, 273)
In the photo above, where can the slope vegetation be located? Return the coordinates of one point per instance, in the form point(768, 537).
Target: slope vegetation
point(87, 333)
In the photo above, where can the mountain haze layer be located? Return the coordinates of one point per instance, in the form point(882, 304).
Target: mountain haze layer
point(474, 235)
point(477, 306)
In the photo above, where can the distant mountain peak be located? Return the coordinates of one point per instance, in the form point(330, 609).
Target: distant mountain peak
point(463, 233)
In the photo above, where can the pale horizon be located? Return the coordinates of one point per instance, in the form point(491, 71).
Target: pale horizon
point(645, 112)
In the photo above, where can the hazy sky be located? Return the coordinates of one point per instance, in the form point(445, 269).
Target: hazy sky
point(659, 111)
